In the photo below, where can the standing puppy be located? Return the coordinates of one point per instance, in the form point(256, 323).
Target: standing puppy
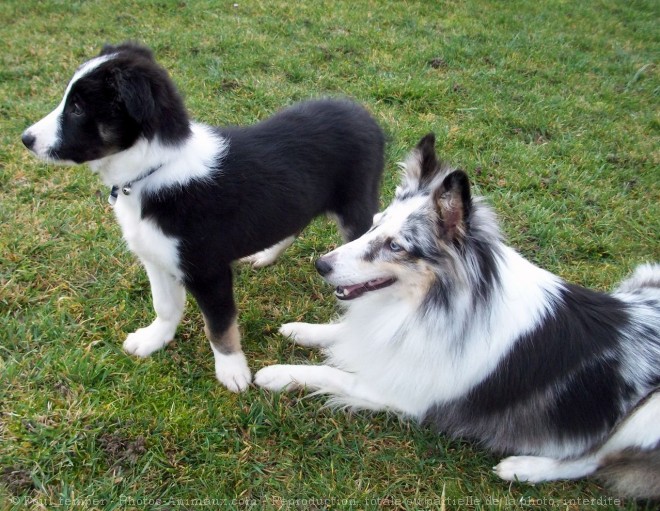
point(190, 198)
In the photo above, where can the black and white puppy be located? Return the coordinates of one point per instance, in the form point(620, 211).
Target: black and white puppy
point(190, 198)
point(446, 323)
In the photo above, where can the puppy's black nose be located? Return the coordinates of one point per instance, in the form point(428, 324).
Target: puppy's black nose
point(28, 140)
point(323, 266)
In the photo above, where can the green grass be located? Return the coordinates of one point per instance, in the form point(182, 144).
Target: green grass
point(552, 107)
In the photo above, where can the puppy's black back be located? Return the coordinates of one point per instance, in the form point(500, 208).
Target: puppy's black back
point(317, 157)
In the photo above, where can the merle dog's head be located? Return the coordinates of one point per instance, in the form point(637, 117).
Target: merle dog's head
point(112, 101)
point(431, 242)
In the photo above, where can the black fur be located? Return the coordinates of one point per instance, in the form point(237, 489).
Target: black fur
point(566, 386)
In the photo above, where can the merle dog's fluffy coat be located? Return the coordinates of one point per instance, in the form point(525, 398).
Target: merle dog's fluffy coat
point(446, 323)
point(192, 198)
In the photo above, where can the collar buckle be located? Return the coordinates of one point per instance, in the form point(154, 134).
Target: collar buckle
point(126, 189)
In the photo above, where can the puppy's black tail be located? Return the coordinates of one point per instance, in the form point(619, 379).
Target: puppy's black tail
point(633, 473)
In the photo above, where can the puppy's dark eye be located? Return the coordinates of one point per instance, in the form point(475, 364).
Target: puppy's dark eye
point(394, 246)
point(76, 109)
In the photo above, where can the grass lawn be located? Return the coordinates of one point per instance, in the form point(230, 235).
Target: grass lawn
point(553, 109)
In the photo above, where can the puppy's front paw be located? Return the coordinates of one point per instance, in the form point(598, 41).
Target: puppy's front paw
point(144, 341)
point(531, 469)
point(232, 371)
point(276, 378)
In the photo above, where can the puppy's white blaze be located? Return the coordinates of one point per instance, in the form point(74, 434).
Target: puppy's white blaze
point(46, 133)
point(47, 130)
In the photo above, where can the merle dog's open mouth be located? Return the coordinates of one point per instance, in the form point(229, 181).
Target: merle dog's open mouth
point(357, 290)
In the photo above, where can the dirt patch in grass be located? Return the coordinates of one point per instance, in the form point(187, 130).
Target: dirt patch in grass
point(17, 479)
point(120, 450)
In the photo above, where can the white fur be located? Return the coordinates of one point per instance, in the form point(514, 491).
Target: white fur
point(644, 277)
point(536, 469)
point(269, 256)
point(169, 299)
point(179, 164)
point(232, 370)
point(318, 336)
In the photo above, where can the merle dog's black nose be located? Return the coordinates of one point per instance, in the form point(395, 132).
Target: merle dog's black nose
point(323, 266)
point(28, 140)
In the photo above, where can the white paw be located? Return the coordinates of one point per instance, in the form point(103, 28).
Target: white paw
point(292, 330)
point(269, 255)
point(232, 371)
point(532, 469)
point(261, 259)
point(276, 378)
point(144, 341)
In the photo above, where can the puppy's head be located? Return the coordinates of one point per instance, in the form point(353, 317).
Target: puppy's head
point(112, 100)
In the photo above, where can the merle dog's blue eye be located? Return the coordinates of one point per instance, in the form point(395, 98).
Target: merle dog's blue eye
point(395, 247)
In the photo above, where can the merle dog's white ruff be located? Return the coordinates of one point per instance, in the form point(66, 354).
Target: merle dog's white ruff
point(446, 324)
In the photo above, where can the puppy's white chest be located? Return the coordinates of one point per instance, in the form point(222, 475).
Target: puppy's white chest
point(144, 238)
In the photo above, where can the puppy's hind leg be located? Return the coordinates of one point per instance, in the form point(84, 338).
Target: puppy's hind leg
point(169, 299)
point(269, 256)
point(215, 299)
point(310, 335)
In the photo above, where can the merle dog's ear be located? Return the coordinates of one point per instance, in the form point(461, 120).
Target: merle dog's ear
point(421, 165)
point(135, 92)
point(428, 162)
point(453, 204)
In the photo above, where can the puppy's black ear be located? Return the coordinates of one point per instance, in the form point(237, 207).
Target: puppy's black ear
point(453, 204)
point(128, 47)
point(135, 92)
point(108, 49)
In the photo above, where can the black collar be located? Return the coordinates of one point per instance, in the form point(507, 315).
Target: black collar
point(126, 188)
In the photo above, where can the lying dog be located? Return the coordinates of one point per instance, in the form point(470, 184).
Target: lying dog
point(447, 324)
point(190, 198)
